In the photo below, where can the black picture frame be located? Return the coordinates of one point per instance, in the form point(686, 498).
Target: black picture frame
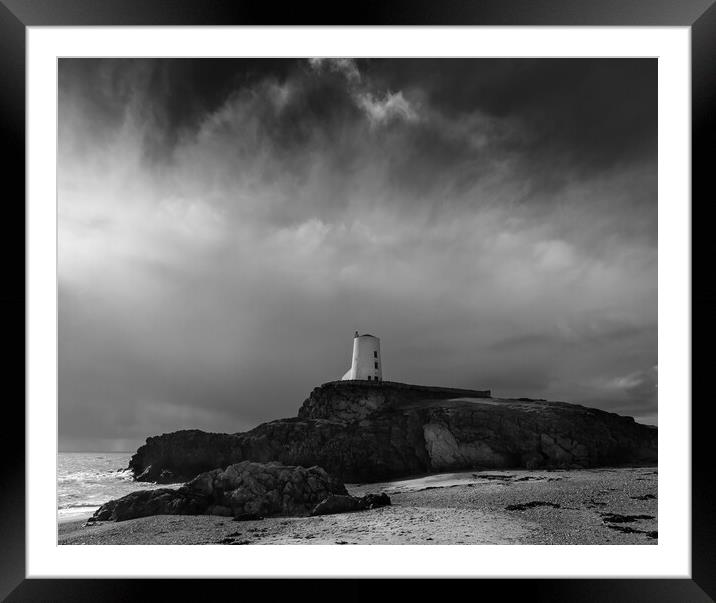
point(17, 15)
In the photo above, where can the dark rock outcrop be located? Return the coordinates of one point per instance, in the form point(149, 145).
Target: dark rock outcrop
point(165, 501)
point(242, 490)
point(361, 431)
point(179, 456)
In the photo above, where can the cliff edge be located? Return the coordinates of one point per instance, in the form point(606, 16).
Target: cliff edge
point(371, 431)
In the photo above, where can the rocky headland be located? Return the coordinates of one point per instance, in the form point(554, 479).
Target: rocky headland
point(366, 432)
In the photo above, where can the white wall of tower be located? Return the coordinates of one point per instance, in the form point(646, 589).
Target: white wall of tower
point(366, 363)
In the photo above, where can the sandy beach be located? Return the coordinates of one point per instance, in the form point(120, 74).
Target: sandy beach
point(595, 506)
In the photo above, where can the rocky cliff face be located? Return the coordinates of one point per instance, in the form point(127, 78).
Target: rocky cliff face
point(361, 432)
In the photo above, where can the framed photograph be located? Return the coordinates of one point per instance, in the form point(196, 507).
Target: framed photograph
point(407, 296)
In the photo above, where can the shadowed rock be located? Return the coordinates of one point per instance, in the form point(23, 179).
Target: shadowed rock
point(241, 490)
point(153, 502)
point(372, 431)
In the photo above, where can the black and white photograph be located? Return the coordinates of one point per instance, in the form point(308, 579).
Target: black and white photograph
point(356, 301)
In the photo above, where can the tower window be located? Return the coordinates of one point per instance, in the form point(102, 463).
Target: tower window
point(376, 364)
point(368, 377)
point(375, 354)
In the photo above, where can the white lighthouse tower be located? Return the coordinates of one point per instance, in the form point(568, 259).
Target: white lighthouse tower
point(366, 364)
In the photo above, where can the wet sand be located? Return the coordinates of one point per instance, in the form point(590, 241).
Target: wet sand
point(596, 506)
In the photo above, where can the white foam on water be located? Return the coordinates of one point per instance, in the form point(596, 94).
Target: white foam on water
point(85, 481)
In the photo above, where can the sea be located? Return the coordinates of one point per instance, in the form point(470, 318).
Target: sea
point(87, 480)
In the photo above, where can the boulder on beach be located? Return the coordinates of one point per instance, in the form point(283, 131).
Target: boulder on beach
point(242, 489)
point(143, 503)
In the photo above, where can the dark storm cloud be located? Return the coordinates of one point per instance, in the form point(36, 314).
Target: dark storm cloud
point(597, 111)
point(225, 225)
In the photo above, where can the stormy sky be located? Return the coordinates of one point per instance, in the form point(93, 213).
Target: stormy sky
point(226, 225)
